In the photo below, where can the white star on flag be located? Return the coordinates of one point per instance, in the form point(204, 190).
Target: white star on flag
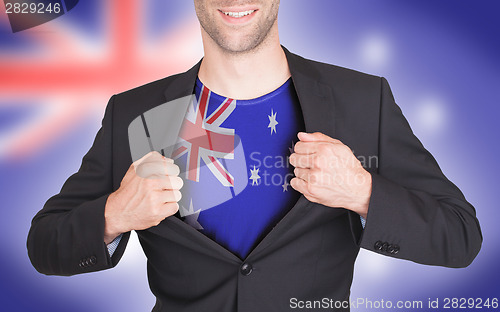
point(190, 216)
point(255, 175)
point(285, 186)
point(272, 121)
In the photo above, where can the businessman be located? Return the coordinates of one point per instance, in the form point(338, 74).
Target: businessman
point(294, 234)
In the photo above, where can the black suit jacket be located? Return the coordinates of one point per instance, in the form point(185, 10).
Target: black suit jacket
point(415, 212)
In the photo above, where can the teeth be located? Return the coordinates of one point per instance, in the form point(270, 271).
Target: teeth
point(239, 14)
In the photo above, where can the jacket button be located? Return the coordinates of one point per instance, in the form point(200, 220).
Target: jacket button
point(246, 269)
point(93, 260)
point(385, 245)
point(390, 249)
point(83, 263)
point(396, 249)
point(378, 245)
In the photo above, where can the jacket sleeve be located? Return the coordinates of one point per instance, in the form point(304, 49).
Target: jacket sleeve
point(67, 236)
point(415, 212)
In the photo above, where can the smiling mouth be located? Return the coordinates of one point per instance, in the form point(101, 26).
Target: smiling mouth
point(239, 14)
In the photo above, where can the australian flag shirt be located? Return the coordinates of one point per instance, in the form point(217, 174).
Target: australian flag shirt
point(233, 155)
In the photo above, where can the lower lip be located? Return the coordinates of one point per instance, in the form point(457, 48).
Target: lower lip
point(237, 20)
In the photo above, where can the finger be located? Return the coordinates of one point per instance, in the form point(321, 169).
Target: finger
point(168, 160)
point(301, 173)
point(310, 176)
point(171, 208)
point(316, 137)
point(172, 169)
point(152, 156)
point(157, 157)
point(171, 196)
point(303, 147)
point(172, 183)
point(135, 164)
point(302, 161)
point(306, 148)
point(301, 186)
point(143, 158)
point(157, 170)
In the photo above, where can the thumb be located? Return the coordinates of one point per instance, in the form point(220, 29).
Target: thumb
point(152, 156)
point(316, 137)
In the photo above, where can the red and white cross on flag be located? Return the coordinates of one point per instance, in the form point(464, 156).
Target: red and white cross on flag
point(203, 138)
point(63, 76)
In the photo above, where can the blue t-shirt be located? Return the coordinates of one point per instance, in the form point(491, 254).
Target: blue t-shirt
point(233, 156)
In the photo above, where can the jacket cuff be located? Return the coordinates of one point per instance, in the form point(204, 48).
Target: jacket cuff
point(87, 232)
point(381, 214)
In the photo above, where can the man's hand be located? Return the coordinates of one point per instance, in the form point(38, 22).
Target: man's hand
point(148, 193)
point(327, 172)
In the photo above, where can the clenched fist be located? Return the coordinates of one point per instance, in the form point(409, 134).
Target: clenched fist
point(148, 193)
point(327, 172)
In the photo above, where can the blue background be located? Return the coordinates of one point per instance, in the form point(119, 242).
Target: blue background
point(440, 58)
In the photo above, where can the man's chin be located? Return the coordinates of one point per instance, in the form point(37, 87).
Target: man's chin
point(239, 45)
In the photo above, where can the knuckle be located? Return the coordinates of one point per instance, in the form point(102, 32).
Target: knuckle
point(304, 161)
point(346, 150)
point(313, 178)
point(317, 161)
point(177, 195)
point(168, 160)
point(144, 166)
point(314, 172)
point(298, 146)
point(322, 148)
point(166, 196)
point(173, 170)
point(177, 183)
point(173, 183)
point(309, 188)
point(172, 208)
point(326, 148)
point(168, 183)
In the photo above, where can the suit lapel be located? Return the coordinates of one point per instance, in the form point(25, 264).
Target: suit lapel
point(317, 105)
point(182, 84)
point(316, 98)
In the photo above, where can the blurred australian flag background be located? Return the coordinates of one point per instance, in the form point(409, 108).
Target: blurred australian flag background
point(440, 57)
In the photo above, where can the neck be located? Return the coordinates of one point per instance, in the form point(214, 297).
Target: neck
point(245, 75)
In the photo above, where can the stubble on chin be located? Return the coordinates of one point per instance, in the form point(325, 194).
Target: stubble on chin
point(246, 44)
